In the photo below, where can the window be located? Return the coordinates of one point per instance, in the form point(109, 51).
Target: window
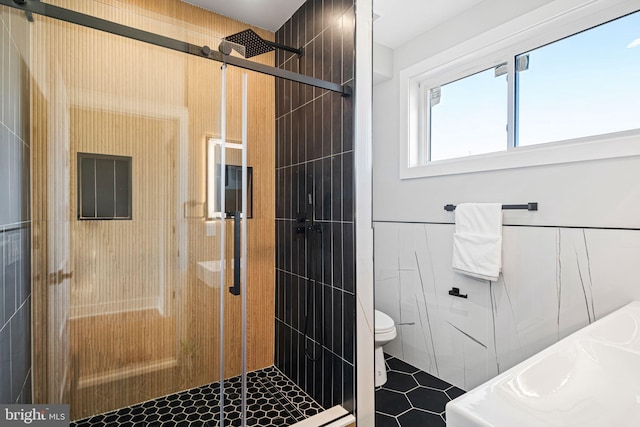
point(104, 187)
point(587, 84)
point(468, 116)
point(501, 103)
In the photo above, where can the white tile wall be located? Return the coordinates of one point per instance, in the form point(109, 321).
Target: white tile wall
point(554, 282)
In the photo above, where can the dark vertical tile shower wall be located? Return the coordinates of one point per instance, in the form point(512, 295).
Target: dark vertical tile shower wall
point(315, 284)
point(15, 216)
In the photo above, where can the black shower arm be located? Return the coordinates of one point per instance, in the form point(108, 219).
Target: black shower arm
point(284, 47)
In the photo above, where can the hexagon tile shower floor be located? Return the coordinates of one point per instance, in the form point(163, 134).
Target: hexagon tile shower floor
point(272, 400)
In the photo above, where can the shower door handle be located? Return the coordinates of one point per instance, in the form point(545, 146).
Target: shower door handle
point(235, 289)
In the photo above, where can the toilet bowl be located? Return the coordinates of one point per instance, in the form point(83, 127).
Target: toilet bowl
point(385, 331)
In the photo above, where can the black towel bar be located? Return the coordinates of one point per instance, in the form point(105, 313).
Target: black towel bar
point(531, 206)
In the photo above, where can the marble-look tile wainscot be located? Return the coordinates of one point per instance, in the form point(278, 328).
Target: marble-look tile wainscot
point(554, 281)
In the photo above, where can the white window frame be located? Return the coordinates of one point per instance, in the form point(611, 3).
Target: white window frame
point(547, 24)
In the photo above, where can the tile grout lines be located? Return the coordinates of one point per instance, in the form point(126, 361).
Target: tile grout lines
point(412, 397)
point(273, 400)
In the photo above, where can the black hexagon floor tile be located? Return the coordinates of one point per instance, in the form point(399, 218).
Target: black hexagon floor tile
point(430, 381)
point(428, 399)
point(420, 418)
point(272, 400)
point(426, 396)
point(391, 402)
point(383, 420)
point(400, 366)
point(454, 392)
point(398, 381)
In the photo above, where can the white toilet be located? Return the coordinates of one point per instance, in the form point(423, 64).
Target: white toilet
point(385, 331)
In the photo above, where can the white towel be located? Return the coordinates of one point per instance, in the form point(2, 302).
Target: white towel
point(477, 242)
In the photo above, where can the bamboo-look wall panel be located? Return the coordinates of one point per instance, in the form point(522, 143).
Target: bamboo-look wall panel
point(260, 230)
point(205, 115)
point(125, 264)
point(121, 358)
point(125, 268)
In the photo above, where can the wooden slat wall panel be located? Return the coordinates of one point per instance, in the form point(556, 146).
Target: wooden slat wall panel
point(141, 323)
point(125, 264)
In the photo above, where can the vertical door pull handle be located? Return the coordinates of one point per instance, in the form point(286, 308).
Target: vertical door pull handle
point(235, 289)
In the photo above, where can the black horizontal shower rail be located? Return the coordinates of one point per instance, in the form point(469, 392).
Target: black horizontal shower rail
point(531, 206)
point(62, 14)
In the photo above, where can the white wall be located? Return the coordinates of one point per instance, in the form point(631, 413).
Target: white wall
point(588, 194)
point(382, 63)
point(588, 211)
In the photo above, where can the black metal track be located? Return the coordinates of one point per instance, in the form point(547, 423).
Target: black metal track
point(55, 12)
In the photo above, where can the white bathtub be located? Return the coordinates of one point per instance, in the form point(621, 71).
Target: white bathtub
point(589, 379)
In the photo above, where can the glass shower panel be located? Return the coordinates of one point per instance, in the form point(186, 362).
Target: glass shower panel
point(134, 301)
point(135, 294)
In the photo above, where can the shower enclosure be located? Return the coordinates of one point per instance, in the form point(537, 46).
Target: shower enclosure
point(153, 217)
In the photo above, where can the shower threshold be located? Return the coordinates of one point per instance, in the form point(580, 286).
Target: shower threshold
point(272, 400)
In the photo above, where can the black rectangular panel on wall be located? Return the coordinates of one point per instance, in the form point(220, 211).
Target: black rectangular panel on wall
point(104, 187)
point(315, 264)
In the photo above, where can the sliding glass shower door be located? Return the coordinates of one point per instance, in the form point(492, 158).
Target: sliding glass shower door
point(141, 209)
point(123, 220)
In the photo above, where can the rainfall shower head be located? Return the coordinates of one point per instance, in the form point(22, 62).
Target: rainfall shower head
point(248, 44)
point(253, 44)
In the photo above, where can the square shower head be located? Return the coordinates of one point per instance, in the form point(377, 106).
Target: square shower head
point(254, 44)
